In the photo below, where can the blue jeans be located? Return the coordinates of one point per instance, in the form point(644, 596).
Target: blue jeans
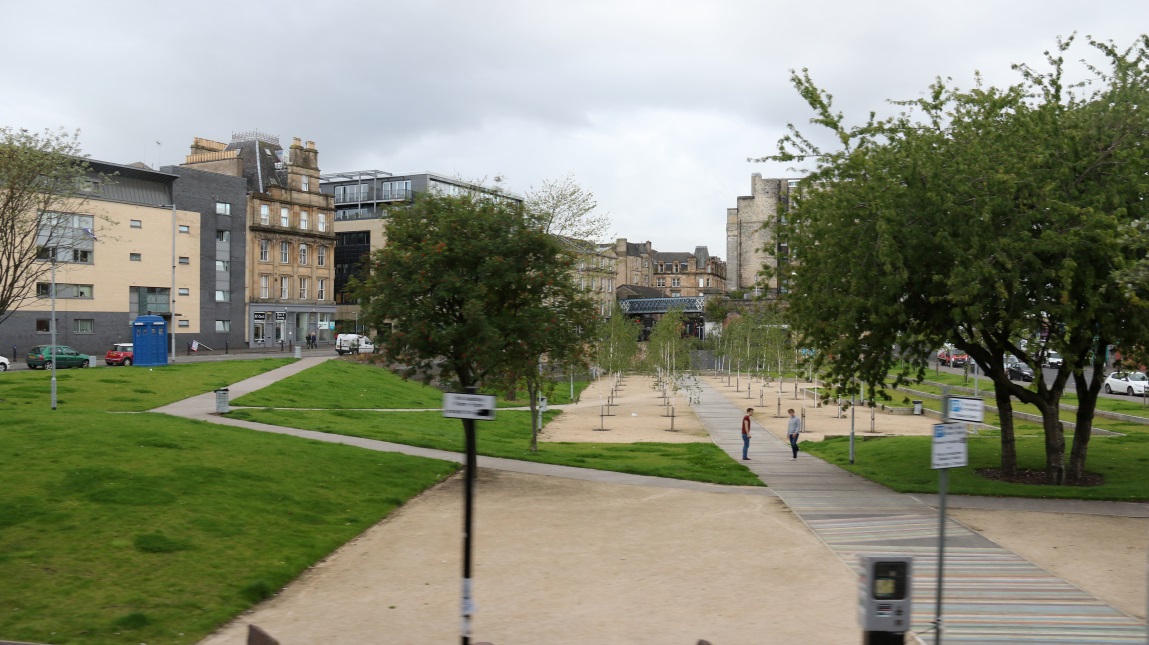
point(794, 444)
point(745, 445)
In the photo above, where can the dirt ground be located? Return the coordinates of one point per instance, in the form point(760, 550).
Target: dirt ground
point(566, 561)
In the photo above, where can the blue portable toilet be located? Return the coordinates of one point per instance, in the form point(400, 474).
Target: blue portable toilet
point(150, 340)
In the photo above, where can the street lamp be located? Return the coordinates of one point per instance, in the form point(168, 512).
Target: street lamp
point(52, 325)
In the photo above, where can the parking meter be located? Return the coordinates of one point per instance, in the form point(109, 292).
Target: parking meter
point(884, 598)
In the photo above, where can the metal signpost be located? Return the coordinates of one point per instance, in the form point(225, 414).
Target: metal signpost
point(949, 451)
point(469, 407)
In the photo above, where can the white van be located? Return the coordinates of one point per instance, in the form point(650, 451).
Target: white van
point(353, 344)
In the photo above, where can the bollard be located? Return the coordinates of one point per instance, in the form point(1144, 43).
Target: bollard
point(873, 428)
point(225, 348)
point(672, 418)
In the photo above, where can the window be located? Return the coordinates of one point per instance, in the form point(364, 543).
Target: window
point(185, 260)
point(264, 286)
point(223, 236)
point(322, 223)
point(305, 181)
point(661, 268)
point(635, 277)
point(303, 284)
point(321, 288)
point(184, 291)
point(222, 296)
point(264, 214)
point(645, 263)
point(660, 282)
point(284, 216)
point(303, 220)
point(284, 253)
point(64, 290)
point(321, 256)
point(701, 283)
point(284, 288)
point(135, 223)
point(303, 254)
point(184, 228)
point(134, 257)
point(223, 265)
point(222, 208)
point(264, 250)
point(43, 326)
point(223, 325)
point(83, 325)
point(148, 300)
point(676, 282)
point(184, 323)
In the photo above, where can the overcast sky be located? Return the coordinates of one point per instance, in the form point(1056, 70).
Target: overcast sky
point(653, 106)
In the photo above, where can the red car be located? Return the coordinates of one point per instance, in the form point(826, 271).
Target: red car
point(953, 357)
point(120, 354)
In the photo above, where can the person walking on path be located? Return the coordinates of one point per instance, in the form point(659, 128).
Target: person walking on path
point(746, 434)
point(793, 427)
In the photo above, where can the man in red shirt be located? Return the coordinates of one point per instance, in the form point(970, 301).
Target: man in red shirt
point(746, 434)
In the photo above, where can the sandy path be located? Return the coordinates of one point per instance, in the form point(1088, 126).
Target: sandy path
point(564, 561)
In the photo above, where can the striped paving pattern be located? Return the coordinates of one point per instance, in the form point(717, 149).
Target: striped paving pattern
point(991, 595)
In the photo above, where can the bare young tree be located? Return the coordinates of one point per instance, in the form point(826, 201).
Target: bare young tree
point(42, 185)
point(562, 207)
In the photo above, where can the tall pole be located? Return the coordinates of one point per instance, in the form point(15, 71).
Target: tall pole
point(52, 324)
point(852, 429)
point(468, 605)
point(943, 484)
point(172, 294)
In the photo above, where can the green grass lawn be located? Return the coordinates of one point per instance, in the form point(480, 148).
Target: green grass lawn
point(353, 385)
point(903, 464)
point(509, 436)
point(130, 389)
point(144, 528)
point(152, 526)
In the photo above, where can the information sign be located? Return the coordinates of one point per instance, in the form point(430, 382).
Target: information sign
point(469, 406)
point(949, 447)
point(966, 409)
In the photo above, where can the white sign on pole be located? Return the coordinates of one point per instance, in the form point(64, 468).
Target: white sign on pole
point(966, 409)
point(949, 447)
point(469, 406)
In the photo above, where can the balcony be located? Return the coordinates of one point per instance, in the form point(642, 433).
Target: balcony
point(369, 196)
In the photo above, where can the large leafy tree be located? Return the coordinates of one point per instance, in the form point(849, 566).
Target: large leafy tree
point(981, 218)
point(474, 289)
point(41, 175)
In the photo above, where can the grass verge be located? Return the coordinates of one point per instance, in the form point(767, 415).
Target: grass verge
point(509, 435)
point(143, 528)
point(354, 385)
point(903, 464)
point(124, 389)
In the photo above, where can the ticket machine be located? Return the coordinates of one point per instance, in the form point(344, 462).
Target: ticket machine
point(884, 598)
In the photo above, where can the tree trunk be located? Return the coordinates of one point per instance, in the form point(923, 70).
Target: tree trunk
point(1054, 443)
point(533, 394)
point(1087, 392)
point(1008, 442)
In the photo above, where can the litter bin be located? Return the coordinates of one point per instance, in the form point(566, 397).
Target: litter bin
point(918, 408)
point(298, 352)
point(221, 400)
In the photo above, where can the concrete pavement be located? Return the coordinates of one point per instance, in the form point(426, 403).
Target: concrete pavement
point(991, 595)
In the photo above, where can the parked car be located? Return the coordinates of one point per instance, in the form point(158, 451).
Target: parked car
point(1018, 371)
point(120, 354)
point(952, 357)
point(3, 364)
point(42, 356)
point(1052, 359)
point(353, 343)
point(1131, 383)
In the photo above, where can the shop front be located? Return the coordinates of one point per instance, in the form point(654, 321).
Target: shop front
point(283, 326)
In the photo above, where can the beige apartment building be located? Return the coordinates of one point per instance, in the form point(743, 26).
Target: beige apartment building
point(290, 246)
point(117, 253)
point(684, 275)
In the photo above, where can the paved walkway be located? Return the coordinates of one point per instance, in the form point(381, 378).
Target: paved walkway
point(991, 596)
